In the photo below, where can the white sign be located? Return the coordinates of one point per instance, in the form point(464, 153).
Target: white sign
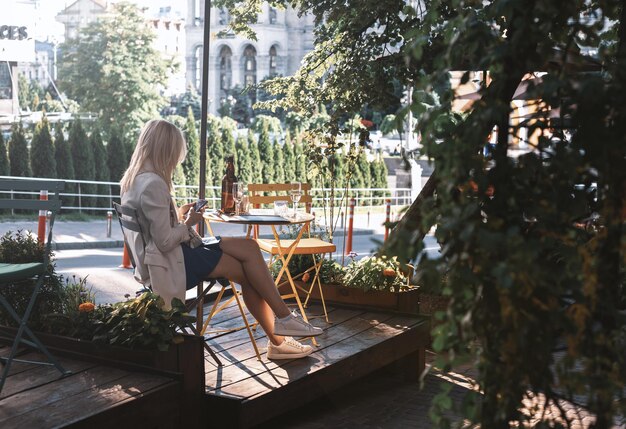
point(17, 29)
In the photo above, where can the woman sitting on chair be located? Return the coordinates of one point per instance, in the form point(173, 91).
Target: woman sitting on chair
point(175, 259)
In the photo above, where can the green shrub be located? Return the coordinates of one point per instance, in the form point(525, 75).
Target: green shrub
point(375, 273)
point(18, 248)
point(141, 323)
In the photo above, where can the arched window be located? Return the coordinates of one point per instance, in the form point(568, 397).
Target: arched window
point(224, 16)
point(273, 15)
point(249, 70)
point(226, 71)
point(273, 62)
point(197, 67)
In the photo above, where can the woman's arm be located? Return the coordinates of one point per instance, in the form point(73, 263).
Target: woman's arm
point(155, 205)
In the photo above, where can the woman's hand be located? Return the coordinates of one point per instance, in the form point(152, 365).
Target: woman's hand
point(190, 216)
point(183, 210)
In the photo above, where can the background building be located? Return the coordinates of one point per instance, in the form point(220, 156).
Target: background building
point(283, 40)
point(81, 13)
point(16, 45)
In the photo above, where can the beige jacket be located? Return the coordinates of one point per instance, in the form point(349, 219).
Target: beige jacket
point(161, 266)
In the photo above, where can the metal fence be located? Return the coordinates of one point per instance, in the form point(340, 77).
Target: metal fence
point(102, 201)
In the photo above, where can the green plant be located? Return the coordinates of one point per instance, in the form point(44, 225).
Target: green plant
point(331, 272)
point(141, 323)
point(21, 247)
point(78, 315)
point(375, 273)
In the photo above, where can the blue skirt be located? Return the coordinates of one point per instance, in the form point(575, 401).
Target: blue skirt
point(200, 262)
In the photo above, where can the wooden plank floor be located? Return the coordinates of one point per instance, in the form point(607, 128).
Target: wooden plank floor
point(94, 396)
point(245, 391)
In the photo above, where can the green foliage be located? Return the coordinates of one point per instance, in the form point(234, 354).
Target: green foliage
point(390, 125)
point(268, 123)
point(64, 162)
point(30, 94)
point(101, 166)
point(189, 100)
point(242, 160)
point(191, 164)
point(215, 150)
point(19, 157)
point(515, 259)
point(229, 129)
point(331, 272)
point(63, 154)
point(83, 160)
point(116, 156)
point(289, 160)
point(375, 273)
point(142, 323)
point(279, 164)
point(255, 159)
point(515, 262)
point(42, 151)
point(296, 123)
point(300, 160)
point(77, 315)
point(178, 178)
point(113, 69)
point(18, 248)
point(266, 153)
point(5, 169)
point(237, 105)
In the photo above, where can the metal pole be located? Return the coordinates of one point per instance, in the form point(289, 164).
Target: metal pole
point(109, 221)
point(205, 102)
point(350, 227)
point(203, 136)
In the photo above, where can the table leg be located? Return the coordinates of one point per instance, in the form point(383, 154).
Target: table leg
point(284, 268)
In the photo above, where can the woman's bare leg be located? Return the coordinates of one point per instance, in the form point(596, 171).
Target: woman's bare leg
point(248, 253)
point(233, 269)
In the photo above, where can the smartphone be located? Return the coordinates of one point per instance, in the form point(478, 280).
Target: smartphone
point(199, 204)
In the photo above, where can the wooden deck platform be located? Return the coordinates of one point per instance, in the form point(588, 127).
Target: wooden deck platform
point(240, 394)
point(245, 391)
point(93, 396)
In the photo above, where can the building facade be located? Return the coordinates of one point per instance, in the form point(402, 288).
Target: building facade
point(43, 70)
point(169, 29)
point(16, 45)
point(81, 13)
point(283, 40)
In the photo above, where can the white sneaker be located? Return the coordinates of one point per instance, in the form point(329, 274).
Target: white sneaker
point(289, 349)
point(294, 326)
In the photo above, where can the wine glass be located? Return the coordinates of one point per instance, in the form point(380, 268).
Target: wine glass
point(238, 189)
point(295, 192)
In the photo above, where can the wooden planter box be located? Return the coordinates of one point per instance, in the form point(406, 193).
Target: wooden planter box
point(183, 362)
point(406, 302)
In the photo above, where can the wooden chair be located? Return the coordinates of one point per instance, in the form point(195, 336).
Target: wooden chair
point(11, 273)
point(129, 221)
point(265, 194)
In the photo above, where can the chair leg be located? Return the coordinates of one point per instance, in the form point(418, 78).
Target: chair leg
point(216, 308)
point(205, 344)
point(245, 321)
point(24, 329)
point(317, 266)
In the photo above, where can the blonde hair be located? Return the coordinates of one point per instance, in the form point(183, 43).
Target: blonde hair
point(161, 143)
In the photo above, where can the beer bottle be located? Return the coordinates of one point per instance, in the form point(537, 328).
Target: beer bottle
point(228, 203)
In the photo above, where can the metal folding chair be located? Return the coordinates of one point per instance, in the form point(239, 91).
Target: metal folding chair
point(263, 193)
point(11, 273)
point(128, 218)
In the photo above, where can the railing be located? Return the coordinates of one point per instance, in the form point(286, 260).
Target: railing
point(82, 198)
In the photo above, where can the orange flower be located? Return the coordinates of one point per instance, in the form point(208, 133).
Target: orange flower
point(306, 277)
point(86, 307)
point(389, 272)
